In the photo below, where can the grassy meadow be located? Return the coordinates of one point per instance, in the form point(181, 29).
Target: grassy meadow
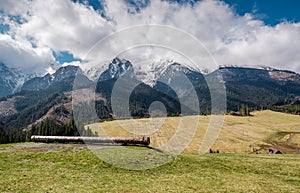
point(72, 168)
point(37, 167)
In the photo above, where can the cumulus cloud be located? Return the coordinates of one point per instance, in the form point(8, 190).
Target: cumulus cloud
point(55, 25)
point(19, 8)
point(22, 56)
point(62, 25)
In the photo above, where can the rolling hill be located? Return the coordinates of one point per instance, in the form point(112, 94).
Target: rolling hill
point(238, 135)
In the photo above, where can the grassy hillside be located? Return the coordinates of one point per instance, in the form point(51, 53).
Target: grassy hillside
point(239, 134)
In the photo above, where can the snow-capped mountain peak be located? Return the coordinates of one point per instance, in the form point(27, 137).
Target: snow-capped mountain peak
point(112, 69)
point(147, 72)
point(150, 72)
point(45, 81)
point(116, 68)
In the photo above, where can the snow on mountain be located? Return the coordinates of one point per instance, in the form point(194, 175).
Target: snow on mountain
point(93, 72)
point(52, 68)
point(235, 73)
point(37, 83)
point(147, 72)
point(280, 75)
point(65, 72)
point(151, 72)
point(283, 75)
point(11, 80)
point(115, 69)
point(112, 69)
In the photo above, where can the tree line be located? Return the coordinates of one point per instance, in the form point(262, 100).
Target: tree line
point(291, 109)
point(47, 127)
point(10, 135)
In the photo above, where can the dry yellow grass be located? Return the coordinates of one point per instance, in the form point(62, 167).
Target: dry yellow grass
point(295, 140)
point(238, 134)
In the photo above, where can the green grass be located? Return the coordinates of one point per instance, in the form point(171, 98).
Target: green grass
point(72, 168)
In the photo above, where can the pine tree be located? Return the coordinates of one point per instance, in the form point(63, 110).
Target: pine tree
point(242, 110)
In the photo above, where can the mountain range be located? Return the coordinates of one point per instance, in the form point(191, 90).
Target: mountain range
point(27, 101)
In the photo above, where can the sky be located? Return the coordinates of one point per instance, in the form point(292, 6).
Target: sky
point(271, 12)
point(37, 33)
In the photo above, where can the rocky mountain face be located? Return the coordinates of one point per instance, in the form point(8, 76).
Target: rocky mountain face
point(11, 80)
point(62, 73)
point(115, 69)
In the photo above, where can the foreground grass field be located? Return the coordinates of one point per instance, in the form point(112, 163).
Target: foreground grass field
point(238, 135)
point(72, 168)
point(35, 167)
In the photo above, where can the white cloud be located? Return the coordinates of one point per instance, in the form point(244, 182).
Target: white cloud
point(23, 56)
point(264, 45)
point(19, 7)
point(62, 25)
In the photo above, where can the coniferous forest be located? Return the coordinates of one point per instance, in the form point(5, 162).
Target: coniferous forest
point(47, 127)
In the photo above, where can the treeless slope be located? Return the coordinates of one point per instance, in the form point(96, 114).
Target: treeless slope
point(238, 134)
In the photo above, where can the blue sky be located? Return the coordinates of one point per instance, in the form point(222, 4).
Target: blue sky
point(64, 56)
point(271, 12)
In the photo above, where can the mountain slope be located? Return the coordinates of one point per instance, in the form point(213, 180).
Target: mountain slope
point(259, 88)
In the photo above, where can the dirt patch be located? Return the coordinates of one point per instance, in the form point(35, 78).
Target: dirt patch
point(7, 108)
point(48, 147)
point(282, 141)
